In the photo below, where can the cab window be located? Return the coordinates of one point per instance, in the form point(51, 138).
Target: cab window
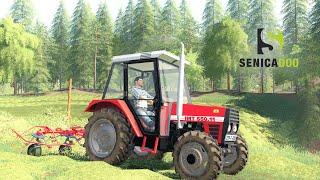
point(115, 87)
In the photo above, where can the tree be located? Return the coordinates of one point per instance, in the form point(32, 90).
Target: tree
point(119, 35)
point(156, 11)
point(238, 9)
point(170, 25)
point(315, 22)
point(17, 51)
point(309, 72)
point(260, 16)
point(230, 42)
point(82, 45)
point(60, 34)
point(294, 22)
point(193, 71)
point(23, 13)
point(189, 34)
point(143, 26)
point(212, 14)
point(128, 28)
point(104, 36)
point(40, 76)
point(310, 54)
point(308, 124)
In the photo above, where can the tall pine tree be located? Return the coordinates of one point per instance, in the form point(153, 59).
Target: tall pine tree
point(60, 34)
point(143, 26)
point(315, 22)
point(294, 22)
point(311, 50)
point(103, 38)
point(40, 77)
point(309, 123)
point(170, 26)
point(156, 11)
point(238, 9)
point(23, 13)
point(119, 35)
point(189, 34)
point(128, 28)
point(212, 14)
point(81, 54)
point(260, 16)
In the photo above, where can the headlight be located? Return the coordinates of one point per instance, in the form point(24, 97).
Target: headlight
point(235, 128)
point(229, 128)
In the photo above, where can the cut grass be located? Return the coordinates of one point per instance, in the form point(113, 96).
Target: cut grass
point(267, 160)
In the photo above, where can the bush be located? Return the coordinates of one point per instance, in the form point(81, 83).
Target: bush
point(308, 122)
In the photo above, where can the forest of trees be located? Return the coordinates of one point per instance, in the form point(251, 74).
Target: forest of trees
point(80, 47)
point(36, 58)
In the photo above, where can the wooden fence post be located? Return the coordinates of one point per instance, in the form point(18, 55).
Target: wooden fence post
point(69, 100)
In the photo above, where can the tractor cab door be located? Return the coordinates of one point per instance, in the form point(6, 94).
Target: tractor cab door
point(142, 95)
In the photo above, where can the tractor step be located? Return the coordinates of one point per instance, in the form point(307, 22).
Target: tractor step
point(138, 151)
point(148, 150)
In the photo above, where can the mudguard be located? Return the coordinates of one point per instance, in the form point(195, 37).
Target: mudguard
point(96, 105)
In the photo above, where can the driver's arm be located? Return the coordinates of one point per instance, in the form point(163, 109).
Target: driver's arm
point(145, 95)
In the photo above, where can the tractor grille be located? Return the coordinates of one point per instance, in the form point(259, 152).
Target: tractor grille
point(214, 131)
point(233, 115)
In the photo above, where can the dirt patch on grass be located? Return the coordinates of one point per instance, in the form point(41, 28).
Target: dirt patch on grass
point(314, 147)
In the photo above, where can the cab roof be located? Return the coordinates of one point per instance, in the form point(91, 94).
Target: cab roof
point(163, 55)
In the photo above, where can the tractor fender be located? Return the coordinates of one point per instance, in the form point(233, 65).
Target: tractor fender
point(96, 105)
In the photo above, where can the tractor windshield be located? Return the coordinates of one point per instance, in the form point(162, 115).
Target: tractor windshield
point(169, 76)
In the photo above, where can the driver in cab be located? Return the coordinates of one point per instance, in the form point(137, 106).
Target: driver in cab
point(143, 99)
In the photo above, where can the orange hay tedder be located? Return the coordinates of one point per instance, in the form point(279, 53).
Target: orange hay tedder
point(46, 136)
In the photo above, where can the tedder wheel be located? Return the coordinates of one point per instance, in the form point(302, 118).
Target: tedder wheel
point(237, 159)
point(64, 150)
point(108, 136)
point(197, 156)
point(34, 150)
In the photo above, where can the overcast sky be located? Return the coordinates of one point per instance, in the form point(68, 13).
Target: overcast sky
point(45, 9)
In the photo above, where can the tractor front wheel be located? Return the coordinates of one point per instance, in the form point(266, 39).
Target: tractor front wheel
point(197, 156)
point(108, 136)
point(235, 161)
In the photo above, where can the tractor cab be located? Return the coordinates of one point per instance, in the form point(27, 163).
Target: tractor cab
point(146, 82)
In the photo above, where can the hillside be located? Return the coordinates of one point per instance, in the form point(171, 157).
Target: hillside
point(271, 154)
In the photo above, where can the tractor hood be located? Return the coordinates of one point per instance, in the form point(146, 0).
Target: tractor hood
point(215, 120)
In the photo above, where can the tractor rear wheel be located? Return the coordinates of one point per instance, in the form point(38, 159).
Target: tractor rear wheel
point(108, 136)
point(197, 156)
point(237, 159)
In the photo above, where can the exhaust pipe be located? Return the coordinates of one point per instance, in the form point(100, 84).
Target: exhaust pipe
point(179, 109)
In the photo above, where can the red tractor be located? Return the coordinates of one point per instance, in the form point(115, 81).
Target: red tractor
point(146, 109)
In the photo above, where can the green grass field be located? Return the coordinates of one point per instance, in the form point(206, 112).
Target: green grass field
point(272, 155)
